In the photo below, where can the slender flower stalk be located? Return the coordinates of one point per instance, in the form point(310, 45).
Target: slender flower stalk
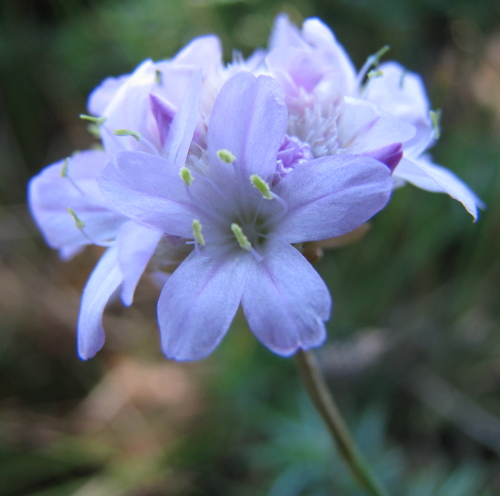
point(320, 395)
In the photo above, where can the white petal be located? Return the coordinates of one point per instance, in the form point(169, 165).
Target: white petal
point(130, 109)
point(363, 127)
point(424, 174)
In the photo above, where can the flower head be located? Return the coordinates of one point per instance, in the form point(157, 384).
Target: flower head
point(210, 176)
point(243, 226)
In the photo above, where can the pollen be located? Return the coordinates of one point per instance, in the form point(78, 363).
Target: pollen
point(197, 227)
point(240, 237)
point(262, 186)
point(127, 132)
point(99, 121)
point(374, 73)
point(226, 156)
point(186, 176)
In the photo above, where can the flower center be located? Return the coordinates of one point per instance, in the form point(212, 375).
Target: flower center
point(246, 218)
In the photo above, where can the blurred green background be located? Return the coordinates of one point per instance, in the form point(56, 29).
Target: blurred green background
point(413, 354)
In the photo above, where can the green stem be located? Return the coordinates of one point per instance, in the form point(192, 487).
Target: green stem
point(320, 395)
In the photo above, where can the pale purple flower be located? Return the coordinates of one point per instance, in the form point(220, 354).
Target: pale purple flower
point(216, 174)
point(147, 100)
point(71, 183)
point(327, 102)
point(292, 153)
point(69, 208)
point(402, 93)
point(319, 82)
point(242, 226)
point(310, 65)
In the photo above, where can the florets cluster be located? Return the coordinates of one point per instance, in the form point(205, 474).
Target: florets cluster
point(210, 176)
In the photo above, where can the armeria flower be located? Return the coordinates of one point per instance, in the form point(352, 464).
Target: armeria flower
point(306, 166)
point(319, 82)
point(142, 108)
point(242, 226)
point(325, 95)
point(147, 100)
point(71, 183)
point(402, 93)
point(71, 211)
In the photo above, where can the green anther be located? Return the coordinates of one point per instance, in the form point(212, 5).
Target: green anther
point(99, 121)
point(78, 222)
point(127, 132)
point(64, 170)
point(435, 116)
point(375, 58)
point(197, 232)
point(262, 186)
point(159, 78)
point(374, 73)
point(240, 237)
point(226, 156)
point(186, 176)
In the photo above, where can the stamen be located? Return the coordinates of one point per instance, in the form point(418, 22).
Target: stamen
point(78, 222)
point(99, 121)
point(377, 56)
point(240, 237)
point(80, 225)
point(159, 78)
point(436, 118)
point(138, 137)
point(64, 170)
point(226, 156)
point(127, 132)
point(186, 176)
point(374, 73)
point(282, 202)
point(256, 254)
point(371, 61)
point(262, 186)
point(65, 174)
point(197, 227)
